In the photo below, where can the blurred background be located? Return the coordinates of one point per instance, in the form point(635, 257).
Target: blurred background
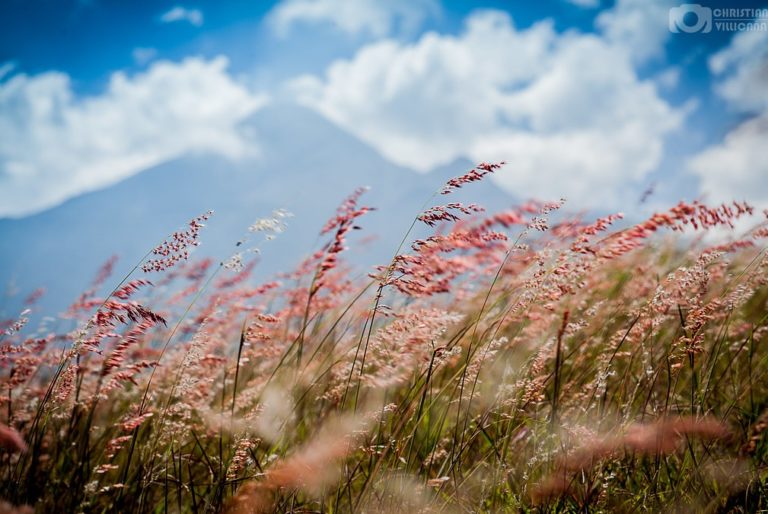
point(120, 121)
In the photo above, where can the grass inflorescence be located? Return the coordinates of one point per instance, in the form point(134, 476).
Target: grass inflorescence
point(525, 360)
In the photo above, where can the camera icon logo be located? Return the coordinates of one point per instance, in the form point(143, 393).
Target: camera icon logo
point(690, 18)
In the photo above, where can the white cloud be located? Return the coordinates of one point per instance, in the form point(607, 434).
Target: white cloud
point(585, 4)
point(737, 167)
point(567, 112)
point(640, 27)
point(179, 13)
point(54, 145)
point(6, 68)
point(668, 78)
point(743, 70)
point(375, 17)
point(143, 55)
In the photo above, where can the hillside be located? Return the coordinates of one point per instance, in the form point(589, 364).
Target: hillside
point(324, 164)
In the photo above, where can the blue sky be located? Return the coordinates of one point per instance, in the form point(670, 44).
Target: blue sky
point(588, 99)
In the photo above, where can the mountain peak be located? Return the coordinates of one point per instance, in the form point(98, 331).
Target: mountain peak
point(305, 164)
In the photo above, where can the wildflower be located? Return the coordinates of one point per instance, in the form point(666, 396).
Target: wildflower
point(133, 422)
point(11, 440)
point(235, 262)
point(342, 223)
point(7, 508)
point(310, 468)
point(756, 433)
point(437, 482)
point(240, 459)
point(17, 325)
point(663, 437)
point(439, 213)
point(176, 248)
point(539, 223)
point(697, 215)
point(474, 175)
point(114, 445)
point(34, 296)
point(430, 270)
point(104, 272)
point(115, 311)
point(274, 225)
point(584, 233)
point(66, 383)
point(105, 468)
point(270, 227)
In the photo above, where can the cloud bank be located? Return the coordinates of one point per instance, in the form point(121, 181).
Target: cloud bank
point(566, 111)
point(374, 17)
point(54, 145)
point(179, 13)
point(736, 168)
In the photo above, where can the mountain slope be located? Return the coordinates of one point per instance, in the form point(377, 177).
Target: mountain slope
point(303, 163)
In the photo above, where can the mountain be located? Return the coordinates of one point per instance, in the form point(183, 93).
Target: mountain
point(303, 163)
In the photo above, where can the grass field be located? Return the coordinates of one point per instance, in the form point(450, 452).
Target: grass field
point(528, 360)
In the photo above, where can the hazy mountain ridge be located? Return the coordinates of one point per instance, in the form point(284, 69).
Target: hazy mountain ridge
point(324, 164)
